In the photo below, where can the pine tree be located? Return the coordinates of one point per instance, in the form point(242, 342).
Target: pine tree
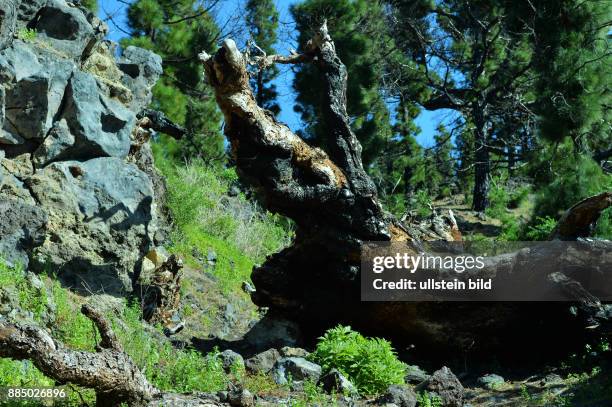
point(262, 23)
point(91, 5)
point(178, 30)
point(357, 27)
point(443, 161)
point(502, 64)
point(398, 168)
point(574, 65)
point(472, 58)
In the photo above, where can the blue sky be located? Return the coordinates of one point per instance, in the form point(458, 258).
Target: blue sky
point(227, 9)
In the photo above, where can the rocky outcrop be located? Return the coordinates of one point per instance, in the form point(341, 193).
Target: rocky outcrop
point(76, 197)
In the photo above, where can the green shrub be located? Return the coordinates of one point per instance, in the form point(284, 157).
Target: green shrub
point(424, 399)
point(518, 196)
point(541, 228)
point(423, 203)
point(165, 366)
point(499, 199)
point(27, 34)
point(70, 325)
point(30, 298)
point(573, 178)
point(371, 364)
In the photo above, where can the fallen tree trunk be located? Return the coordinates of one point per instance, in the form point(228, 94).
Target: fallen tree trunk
point(109, 371)
point(334, 204)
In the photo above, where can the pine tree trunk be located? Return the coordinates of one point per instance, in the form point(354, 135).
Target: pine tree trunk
point(482, 165)
point(511, 161)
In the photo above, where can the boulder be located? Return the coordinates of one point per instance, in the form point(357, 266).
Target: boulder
point(101, 126)
point(57, 142)
point(334, 381)
point(231, 360)
point(288, 352)
point(89, 211)
point(22, 227)
point(101, 218)
point(400, 395)
point(415, 375)
point(241, 398)
point(296, 370)
point(262, 362)
point(491, 381)
point(64, 28)
point(36, 94)
point(141, 70)
point(8, 18)
point(445, 385)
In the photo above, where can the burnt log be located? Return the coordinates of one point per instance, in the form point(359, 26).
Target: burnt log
point(316, 280)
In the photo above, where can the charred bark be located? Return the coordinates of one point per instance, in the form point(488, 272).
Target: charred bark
point(316, 280)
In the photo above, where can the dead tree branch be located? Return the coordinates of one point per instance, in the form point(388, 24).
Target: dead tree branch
point(580, 219)
point(109, 371)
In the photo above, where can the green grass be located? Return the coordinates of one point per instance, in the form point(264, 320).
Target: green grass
point(207, 219)
point(166, 367)
point(371, 364)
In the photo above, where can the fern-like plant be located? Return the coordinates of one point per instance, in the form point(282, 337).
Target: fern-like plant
point(371, 364)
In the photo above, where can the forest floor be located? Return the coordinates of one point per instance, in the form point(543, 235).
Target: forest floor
point(472, 223)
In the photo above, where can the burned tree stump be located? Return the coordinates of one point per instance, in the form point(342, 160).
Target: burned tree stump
point(316, 280)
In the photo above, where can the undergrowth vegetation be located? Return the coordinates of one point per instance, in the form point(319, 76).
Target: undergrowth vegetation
point(371, 364)
point(212, 216)
point(166, 367)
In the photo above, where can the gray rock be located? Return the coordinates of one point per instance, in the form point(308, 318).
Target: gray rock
point(274, 331)
point(415, 375)
point(101, 126)
point(86, 212)
point(295, 369)
point(334, 381)
point(400, 395)
point(444, 384)
point(262, 362)
point(59, 140)
point(36, 94)
point(64, 28)
point(22, 227)
point(101, 218)
point(491, 381)
point(241, 398)
point(141, 70)
point(231, 360)
point(29, 107)
point(8, 18)
point(288, 352)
